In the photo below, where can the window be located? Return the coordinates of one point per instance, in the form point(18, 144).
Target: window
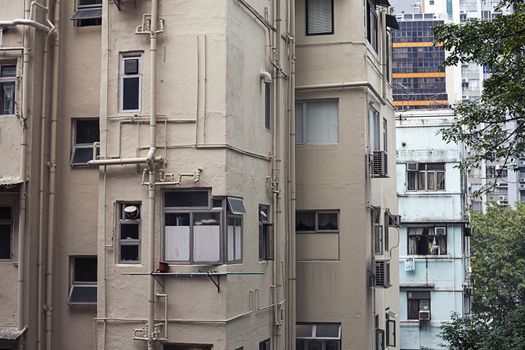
point(83, 280)
point(377, 231)
point(129, 236)
point(390, 333)
point(7, 89)
point(265, 345)
point(375, 131)
point(187, 347)
point(317, 221)
point(130, 83)
point(319, 17)
point(316, 122)
point(6, 232)
point(427, 240)
point(268, 105)
point(385, 135)
point(265, 234)
point(427, 177)
point(371, 25)
point(380, 339)
point(198, 230)
point(88, 13)
point(318, 336)
point(85, 133)
point(418, 305)
point(388, 57)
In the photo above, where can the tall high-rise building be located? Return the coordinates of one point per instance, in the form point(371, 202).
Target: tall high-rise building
point(204, 174)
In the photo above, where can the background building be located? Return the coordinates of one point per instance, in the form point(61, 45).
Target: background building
point(148, 198)
point(433, 243)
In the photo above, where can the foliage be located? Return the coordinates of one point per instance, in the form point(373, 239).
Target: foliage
point(498, 267)
point(494, 126)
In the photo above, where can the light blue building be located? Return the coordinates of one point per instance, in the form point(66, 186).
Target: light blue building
point(433, 238)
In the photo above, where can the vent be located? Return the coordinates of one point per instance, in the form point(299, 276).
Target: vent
point(382, 276)
point(442, 230)
point(412, 166)
point(379, 164)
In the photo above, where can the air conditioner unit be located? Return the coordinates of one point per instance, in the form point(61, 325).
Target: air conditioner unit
point(424, 315)
point(382, 275)
point(502, 202)
point(440, 230)
point(394, 220)
point(379, 164)
point(412, 166)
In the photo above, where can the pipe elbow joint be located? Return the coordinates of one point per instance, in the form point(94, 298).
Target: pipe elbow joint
point(266, 77)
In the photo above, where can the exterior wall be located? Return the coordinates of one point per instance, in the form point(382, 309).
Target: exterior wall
point(443, 276)
point(332, 269)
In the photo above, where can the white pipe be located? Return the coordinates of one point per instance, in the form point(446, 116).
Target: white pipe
point(23, 186)
point(52, 183)
point(151, 167)
point(266, 77)
point(42, 169)
point(25, 22)
point(124, 161)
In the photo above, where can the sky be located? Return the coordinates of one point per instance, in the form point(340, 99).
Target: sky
point(403, 5)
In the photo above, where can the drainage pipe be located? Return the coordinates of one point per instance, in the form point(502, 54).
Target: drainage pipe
point(52, 182)
point(151, 168)
point(23, 186)
point(123, 161)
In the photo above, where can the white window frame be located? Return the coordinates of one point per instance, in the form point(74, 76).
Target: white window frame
point(304, 122)
point(9, 80)
point(80, 284)
point(125, 57)
point(122, 220)
point(266, 238)
point(374, 126)
point(425, 172)
point(74, 145)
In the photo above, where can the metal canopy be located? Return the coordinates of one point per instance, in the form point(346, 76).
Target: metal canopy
point(87, 13)
point(11, 333)
point(391, 22)
point(383, 3)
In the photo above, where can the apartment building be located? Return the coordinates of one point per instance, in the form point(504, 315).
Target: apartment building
point(172, 175)
point(434, 236)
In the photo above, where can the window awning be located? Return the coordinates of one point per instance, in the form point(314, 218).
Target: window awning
point(87, 13)
point(382, 3)
point(9, 181)
point(391, 22)
point(11, 333)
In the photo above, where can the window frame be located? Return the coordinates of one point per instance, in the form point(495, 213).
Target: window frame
point(73, 283)
point(429, 240)
point(372, 32)
point(374, 134)
point(122, 76)
point(224, 215)
point(424, 174)
point(419, 299)
point(332, 26)
point(9, 80)
point(316, 222)
point(265, 344)
point(87, 22)
point(268, 105)
point(75, 146)
point(11, 223)
point(235, 260)
point(390, 333)
point(377, 231)
point(266, 238)
point(304, 119)
point(314, 336)
point(129, 242)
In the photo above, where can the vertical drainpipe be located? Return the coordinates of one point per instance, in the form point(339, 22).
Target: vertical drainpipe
point(291, 297)
point(52, 183)
point(23, 187)
point(151, 168)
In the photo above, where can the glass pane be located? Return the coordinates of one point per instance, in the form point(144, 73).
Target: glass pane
point(177, 237)
point(5, 213)
point(206, 237)
point(319, 17)
point(129, 231)
point(89, 2)
point(131, 66)
point(238, 239)
point(435, 166)
point(327, 221)
point(5, 242)
point(333, 345)
point(87, 131)
point(85, 269)
point(440, 180)
point(374, 129)
point(129, 253)
point(431, 177)
point(187, 199)
point(299, 123)
point(267, 105)
point(83, 295)
point(8, 71)
point(236, 205)
point(82, 155)
point(424, 305)
point(413, 309)
point(303, 330)
point(421, 180)
point(315, 345)
point(300, 344)
point(327, 331)
point(231, 240)
point(321, 122)
point(305, 221)
point(130, 93)
point(7, 98)
point(411, 180)
point(442, 241)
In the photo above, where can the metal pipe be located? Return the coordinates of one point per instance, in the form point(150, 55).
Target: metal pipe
point(343, 85)
point(257, 15)
point(25, 22)
point(124, 161)
point(14, 48)
point(23, 186)
point(151, 167)
point(52, 182)
point(41, 195)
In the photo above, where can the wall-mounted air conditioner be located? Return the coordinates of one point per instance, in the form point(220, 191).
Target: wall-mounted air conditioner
point(379, 164)
point(440, 230)
point(412, 166)
point(382, 273)
point(424, 315)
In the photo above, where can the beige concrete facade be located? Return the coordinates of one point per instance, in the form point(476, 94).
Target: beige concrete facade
point(208, 70)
